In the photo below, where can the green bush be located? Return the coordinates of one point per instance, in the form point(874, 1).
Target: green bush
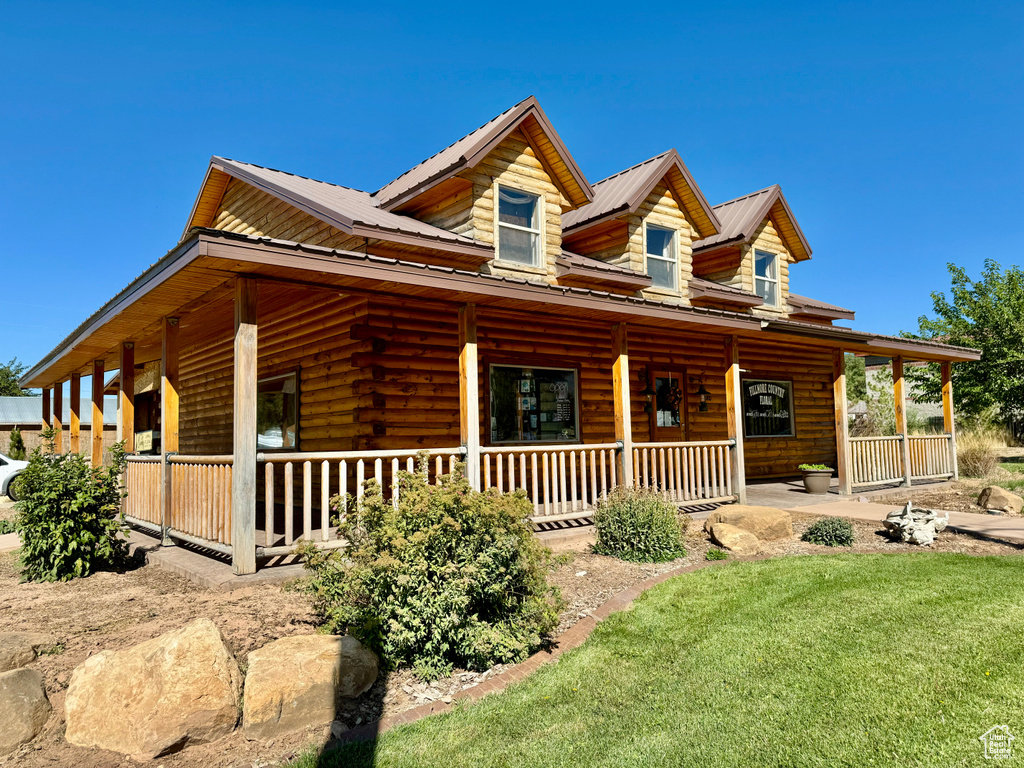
point(69, 516)
point(716, 554)
point(7, 526)
point(639, 525)
point(830, 532)
point(449, 577)
point(16, 445)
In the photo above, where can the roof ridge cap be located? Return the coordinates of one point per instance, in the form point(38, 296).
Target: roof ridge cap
point(634, 166)
point(769, 188)
point(289, 173)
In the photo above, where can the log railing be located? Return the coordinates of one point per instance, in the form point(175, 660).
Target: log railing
point(201, 498)
point(297, 488)
point(564, 482)
point(931, 457)
point(876, 460)
point(686, 473)
point(142, 487)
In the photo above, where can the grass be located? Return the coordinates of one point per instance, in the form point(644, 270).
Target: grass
point(805, 661)
point(1015, 484)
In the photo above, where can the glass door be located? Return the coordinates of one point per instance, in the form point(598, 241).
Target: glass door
point(667, 419)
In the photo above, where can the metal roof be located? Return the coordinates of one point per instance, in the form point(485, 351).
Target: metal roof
point(626, 190)
point(742, 216)
point(29, 410)
point(471, 149)
point(577, 265)
point(808, 306)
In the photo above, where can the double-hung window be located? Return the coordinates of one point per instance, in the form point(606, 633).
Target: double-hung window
point(662, 261)
point(766, 277)
point(518, 227)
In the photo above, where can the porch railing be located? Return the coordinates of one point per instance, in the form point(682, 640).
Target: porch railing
point(142, 477)
point(686, 473)
point(880, 460)
point(201, 497)
point(931, 457)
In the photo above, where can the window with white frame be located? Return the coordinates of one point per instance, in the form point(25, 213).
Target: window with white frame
point(662, 261)
point(766, 277)
point(518, 227)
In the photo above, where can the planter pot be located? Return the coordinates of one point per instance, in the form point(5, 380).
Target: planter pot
point(817, 481)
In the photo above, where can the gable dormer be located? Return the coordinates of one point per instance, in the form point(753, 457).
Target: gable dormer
point(645, 219)
point(759, 240)
point(505, 185)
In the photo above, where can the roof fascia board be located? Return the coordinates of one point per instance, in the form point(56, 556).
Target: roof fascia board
point(796, 225)
point(195, 205)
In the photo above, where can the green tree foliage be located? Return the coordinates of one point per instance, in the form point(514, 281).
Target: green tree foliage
point(69, 515)
point(448, 577)
point(16, 445)
point(987, 314)
point(9, 375)
point(856, 380)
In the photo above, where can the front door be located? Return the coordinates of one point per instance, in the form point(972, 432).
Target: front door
point(669, 406)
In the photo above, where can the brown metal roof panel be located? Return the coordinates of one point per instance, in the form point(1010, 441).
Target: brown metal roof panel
point(805, 305)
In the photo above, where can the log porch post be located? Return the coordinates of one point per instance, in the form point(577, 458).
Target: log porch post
point(842, 422)
point(46, 408)
point(96, 429)
point(58, 418)
point(900, 397)
point(75, 422)
point(168, 417)
point(469, 393)
point(126, 396)
point(243, 471)
point(734, 417)
point(948, 422)
point(620, 387)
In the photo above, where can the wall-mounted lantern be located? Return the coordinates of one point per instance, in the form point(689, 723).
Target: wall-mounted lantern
point(648, 392)
point(703, 395)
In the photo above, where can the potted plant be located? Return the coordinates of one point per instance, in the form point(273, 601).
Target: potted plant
point(817, 477)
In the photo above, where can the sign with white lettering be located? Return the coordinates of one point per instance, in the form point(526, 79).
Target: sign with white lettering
point(767, 408)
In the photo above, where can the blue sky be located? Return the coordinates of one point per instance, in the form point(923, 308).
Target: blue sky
point(895, 129)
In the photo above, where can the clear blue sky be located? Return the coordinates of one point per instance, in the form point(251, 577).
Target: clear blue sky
point(895, 129)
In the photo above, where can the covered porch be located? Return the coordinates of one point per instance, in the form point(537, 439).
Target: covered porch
point(385, 360)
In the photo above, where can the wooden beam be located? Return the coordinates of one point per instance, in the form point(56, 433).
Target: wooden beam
point(469, 393)
point(734, 417)
point(75, 426)
point(168, 418)
point(58, 417)
point(243, 472)
point(620, 402)
point(126, 396)
point(46, 408)
point(842, 422)
point(96, 429)
point(899, 384)
point(948, 420)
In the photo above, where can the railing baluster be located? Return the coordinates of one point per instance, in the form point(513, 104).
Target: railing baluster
point(533, 467)
point(289, 509)
point(547, 485)
point(583, 478)
point(325, 499)
point(573, 497)
point(394, 482)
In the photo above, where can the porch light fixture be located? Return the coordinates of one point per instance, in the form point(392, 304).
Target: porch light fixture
point(702, 393)
point(648, 392)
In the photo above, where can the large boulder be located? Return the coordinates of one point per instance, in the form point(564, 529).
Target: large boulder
point(24, 708)
point(735, 539)
point(20, 648)
point(157, 697)
point(296, 682)
point(994, 497)
point(766, 523)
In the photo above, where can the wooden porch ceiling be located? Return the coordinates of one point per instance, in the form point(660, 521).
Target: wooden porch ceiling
point(196, 274)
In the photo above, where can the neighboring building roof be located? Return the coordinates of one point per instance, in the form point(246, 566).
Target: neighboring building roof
point(468, 151)
point(742, 217)
point(802, 305)
point(588, 269)
point(29, 410)
point(625, 191)
point(350, 210)
point(700, 288)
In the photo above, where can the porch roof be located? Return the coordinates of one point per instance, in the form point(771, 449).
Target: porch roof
point(182, 279)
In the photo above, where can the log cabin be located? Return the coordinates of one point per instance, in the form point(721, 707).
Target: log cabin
point(494, 308)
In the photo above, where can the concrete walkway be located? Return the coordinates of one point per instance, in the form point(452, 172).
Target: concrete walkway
point(986, 526)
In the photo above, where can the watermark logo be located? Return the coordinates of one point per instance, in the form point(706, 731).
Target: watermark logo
point(998, 742)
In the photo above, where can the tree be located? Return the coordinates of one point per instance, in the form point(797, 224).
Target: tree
point(9, 375)
point(16, 445)
point(987, 315)
point(856, 380)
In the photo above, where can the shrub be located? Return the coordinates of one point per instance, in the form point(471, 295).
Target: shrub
point(830, 532)
point(16, 445)
point(716, 554)
point(977, 450)
point(639, 525)
point(69, 516)
point(7, 526)
point(449, 577)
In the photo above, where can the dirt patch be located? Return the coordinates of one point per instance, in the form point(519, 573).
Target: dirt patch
point(959, 496)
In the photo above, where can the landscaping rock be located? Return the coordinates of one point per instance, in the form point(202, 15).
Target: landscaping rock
point(994, 497)
point(766, 523)
point(24, 708)
point(917, 526)
point(296, 682)
point(20, 648)
point(735, 539)
point(157, 697)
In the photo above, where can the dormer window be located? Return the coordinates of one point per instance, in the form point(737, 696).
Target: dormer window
point(766, 277)
point(662, 261)
point(518, 227)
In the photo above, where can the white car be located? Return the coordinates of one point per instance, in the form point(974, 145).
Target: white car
point(9, 469)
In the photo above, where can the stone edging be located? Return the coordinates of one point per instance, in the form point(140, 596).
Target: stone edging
point(573, 637)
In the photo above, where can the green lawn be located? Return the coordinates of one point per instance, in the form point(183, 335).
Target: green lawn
point(1016, 483)
point(803, 661)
